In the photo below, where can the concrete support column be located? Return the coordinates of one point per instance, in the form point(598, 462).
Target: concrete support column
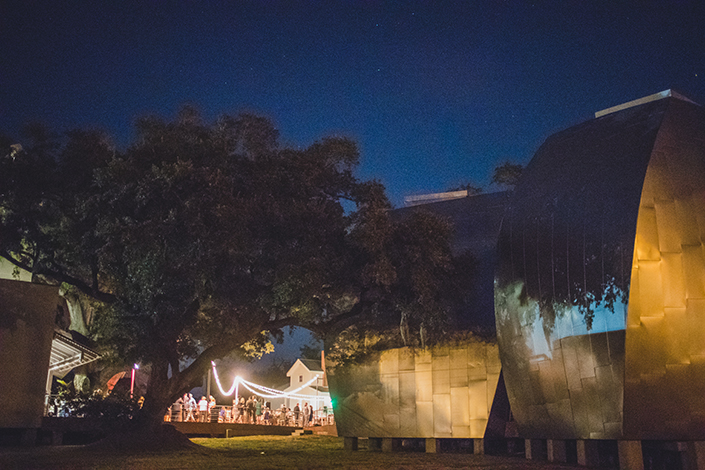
point(478, 446)
point(556, 450)
point(432, 445)
point(588, 455)
point(513, 446)
point(696, 455)
point(630, 456)
point(350, 443)
point(374, 443)
point(390, 444)
point(532, 449)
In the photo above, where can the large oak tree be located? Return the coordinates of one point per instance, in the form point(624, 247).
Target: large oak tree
point(200, 236)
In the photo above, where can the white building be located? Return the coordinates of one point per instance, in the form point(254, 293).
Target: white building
point(307, 384)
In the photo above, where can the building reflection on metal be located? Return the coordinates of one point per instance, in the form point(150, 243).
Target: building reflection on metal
point(600, 287)
point(439, 392)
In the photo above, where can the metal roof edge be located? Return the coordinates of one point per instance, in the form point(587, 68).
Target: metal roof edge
point(646, 99)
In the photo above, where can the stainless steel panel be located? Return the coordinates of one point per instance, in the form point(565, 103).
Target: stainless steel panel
point(390, 389)
point(460, 404)
point(377, 399)
point(570, 363)
point(672, 278)
point(477, 360)
point(458, 367)
point(392, 423)
point(441, 375)
point(423, 360)
point(491, 354)
point(442, 426)
point(492, 382)
point(651, 297)
point(581, 410)
point(678, 332)
point(424, 419)
point(586, 360)
point(547, 381)
point(600, 350)
point(647, 246)
point(687, 222)
point(592, 397)
point(407, 423)
point(693, 265)
point(389, 362)
point(561, 413)
point(459, 377)
point(607, 387)
point(694, 311)
point(667, 226)
point(477, 428)
point(464, 431)
point(478, 406)
point(407, 359)
point(407, 389)
point(424, 386)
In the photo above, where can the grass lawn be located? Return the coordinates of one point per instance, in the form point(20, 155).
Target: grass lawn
point(256, 452)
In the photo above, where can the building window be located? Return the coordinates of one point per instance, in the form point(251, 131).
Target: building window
point(301, 378)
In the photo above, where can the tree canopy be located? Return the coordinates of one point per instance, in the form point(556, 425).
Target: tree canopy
point(507, 174)
point(199, 237)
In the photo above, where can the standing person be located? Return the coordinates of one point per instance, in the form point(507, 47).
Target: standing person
point(250, 409)
point(241, 410)
point(202, 409)
point(234, 414)
point(283, 419)
point(307, 414)
point(258, 411)
point(191, 409)
point(297, 412)
point(177, 409)
point(184, 407)
point(211, 407)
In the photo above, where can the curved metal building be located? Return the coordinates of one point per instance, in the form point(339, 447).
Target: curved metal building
point(600, 285)
point(447, 391)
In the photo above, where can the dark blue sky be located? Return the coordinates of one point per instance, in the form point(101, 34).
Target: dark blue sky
point(435, 92)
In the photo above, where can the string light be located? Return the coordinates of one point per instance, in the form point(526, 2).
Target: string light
point(277, 393)
point(273, 390)
point(261, 390)
point(217, 381)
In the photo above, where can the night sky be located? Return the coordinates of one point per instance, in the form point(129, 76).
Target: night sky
point(436, 93)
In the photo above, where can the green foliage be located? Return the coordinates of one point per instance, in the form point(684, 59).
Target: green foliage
point(200, 236)
point(467, 186)
point(274, 375)
point(507, 174)
point(116, 406)
point(310, 351)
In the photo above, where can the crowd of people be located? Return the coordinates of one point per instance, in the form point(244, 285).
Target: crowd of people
point(253, 410)
point(187, 408)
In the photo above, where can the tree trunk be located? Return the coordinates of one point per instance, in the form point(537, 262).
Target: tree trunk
point(146, 431)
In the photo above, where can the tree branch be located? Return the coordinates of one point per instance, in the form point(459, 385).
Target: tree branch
point(58, 278)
